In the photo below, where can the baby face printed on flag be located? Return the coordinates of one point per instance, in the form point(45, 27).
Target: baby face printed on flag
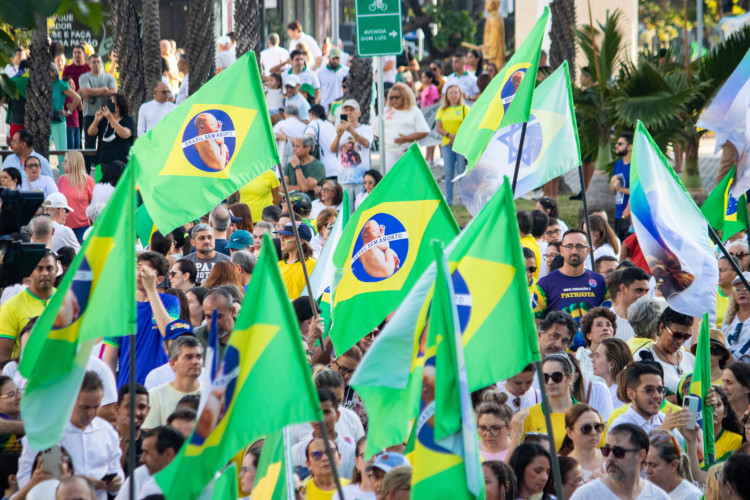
point(382, 246)
point(500, 102)
point(209, 137)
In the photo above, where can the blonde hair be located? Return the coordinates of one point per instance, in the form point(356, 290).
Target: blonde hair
point(407, 97)
point(447, 103)
point(76, 171)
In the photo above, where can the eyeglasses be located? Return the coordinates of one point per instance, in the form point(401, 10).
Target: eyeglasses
point(244, 470)
point(650, 391)
point(552, 232)
point(162, 91)
point(343, 371)
point(492, 430)
point(550, 257)
point(12, 394)
point(33, 165)
point(556, 377)
point(587, 428)
point(531, 269)
point(327, 190)
point(739, 255)
point(317, 455)
point(172, 273)
point(394, 97)
point(577, 248)
point(739, 289)
point(681, 337)
point(616, 451)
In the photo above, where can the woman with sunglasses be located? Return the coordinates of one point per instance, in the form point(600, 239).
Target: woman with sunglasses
point(493, 426)
point(361, 487)
point(583, 437)
point(531, 463)
point(610, 358)
point(558, 376)
point(673, 333)
point(404, 123)
point(668, 468)
point(735, 324)
point(597, 324)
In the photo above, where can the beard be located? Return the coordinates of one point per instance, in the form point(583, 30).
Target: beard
point(575, 260)
point(621, 153)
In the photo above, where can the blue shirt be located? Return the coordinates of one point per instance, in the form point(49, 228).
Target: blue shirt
point(15, 162)
point(622, 170)
point(149, 353)
point(574, 295)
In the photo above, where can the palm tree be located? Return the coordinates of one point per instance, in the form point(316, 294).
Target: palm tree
point(563, 46)
point(247, 26)
point(127, 43)
point(201, 45)
point(151, 49)
point(359, 85)
point(39, 91)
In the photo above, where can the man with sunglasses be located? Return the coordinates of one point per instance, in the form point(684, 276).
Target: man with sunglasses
point(625, 453)
point(152, 112)
point(56, 206)
point(739, 250)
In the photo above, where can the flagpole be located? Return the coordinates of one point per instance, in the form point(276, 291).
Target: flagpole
point(550, 435)
point(586, 216)
point(518, 158)
point(131, 383)
point(730, 259)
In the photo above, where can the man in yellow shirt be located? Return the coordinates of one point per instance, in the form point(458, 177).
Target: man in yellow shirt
point(29, 303)
point(321, 485)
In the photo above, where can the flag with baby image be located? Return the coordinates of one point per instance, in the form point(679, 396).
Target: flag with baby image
point(671, 230)
point(252, 395)
point(384, 248)
point(550, 148)
point(102, 274)
point(506, 100)
point(215, 142)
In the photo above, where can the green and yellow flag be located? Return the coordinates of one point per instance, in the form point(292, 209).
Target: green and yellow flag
point(54, 360)
point(251, 395)
point(507, 99)
point(214, 143)
point(274, 478)
point(725, 212)
point(446, 452)
point(385, 248)
point(223, 487)
point(700, 384)
point(488, 275)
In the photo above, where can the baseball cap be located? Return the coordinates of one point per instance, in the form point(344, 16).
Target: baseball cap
point(350, 103)
point(388, 460)
point(178, 328)
point(224, 40)
point(304, 231)
point(240, 239)
point(234, 219)
point(735, 281)
point(308, 88)
point(57, 200)
point(334, 52)
point(301, 201)
point(291, 80)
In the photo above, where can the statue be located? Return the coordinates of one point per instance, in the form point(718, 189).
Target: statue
point(493, 46)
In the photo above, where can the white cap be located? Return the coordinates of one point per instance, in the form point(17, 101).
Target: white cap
point(292, 80)
point(57, 200)
point(224, 40)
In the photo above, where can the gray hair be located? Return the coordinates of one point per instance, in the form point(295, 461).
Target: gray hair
point(742, 243)
point(200, 227)
point(291, 110)
point(219, 218)
point(41, 226)
point(643, 316)
point(175, 348)
point(94, 210)
point(273, 39)
point(223, 293)
point(245, 260)
point(308, 141)
point(264, 225)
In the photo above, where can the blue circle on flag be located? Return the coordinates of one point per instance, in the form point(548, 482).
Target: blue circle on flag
point(76, 298)
point(381, 249)
point(209, 140)
point(510, 87)
point(463, 299)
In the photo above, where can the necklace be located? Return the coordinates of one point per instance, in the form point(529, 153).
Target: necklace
point(665, 357)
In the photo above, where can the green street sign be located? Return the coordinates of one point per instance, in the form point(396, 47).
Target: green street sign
point(378, 27)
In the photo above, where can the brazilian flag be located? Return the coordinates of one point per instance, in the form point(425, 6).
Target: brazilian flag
point(700, 385)
point(273, 478)
point(262, 385)
point(385, 248)
point(96, 295)
point(723, 210)
point(215, 142)
point(506, 100)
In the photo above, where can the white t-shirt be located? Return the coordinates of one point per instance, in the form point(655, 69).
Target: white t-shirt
point(302, 105)
point(599, 398)
point(616, 403)
point(597, 489)
point(11, 70)
point(272, 56)
point(466, 82)
point(330, 83)
point(530, 398)
point(402, 122)
point(160, 375)
point(182, 93)
point(354, 492)
point(349, 428)
point(292, 128)
point(151, 113)
point(354, 158)
point(324, 132)
point(307, 76)
point(63, 237)
point(672, 376)
point(317, 207)
point(736, 346)
point(312, 46)
point(624, 331)
point(360, 198)
point(686, 491)
point(163, 401)
point(583, 355)
point(389, 75)
point(102, 193)
point(274, 100)
point(43, 184)
point(224, 59)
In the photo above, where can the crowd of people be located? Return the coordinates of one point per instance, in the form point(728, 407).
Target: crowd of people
point(617, 361)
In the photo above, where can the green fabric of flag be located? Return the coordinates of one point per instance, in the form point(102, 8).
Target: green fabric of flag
point(488, 276)
point(723, 211)
point(214, 143)
point(272, 478)
point(506, 100)
point(55, 357)
point(223, 487)
point(700, 384)
point(446, 454)
point(385, 247)
point(251, 395)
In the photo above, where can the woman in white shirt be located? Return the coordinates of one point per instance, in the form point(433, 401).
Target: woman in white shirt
point(597, 324)
point(404, 123)
point(34, 180)
point(603, 239)
point(583, 436)
point(331, 196)
point(591, 392)
point(324, 133)
point(371, 179)
point(610, 358)
point(668, 468)
point(106, 186)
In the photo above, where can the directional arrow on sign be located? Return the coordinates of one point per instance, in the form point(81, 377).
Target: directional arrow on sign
point(393, 33)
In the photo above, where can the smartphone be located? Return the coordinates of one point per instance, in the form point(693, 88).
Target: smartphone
point(110, 105)
point(51, 460)
point(344, 118)
point(109, 477)
point(691, 403)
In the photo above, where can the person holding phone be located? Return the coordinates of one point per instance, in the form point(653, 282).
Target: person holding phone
point(115, 130)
